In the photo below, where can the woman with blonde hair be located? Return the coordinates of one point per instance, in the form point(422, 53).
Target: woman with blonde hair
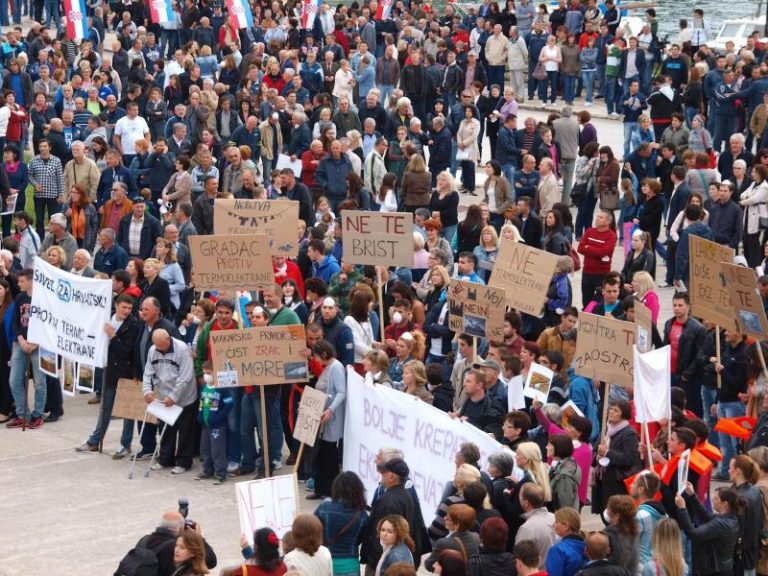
point(410, 346)
point(667, 559)
point(420, 257)
point(445, 201)
point(154, 285)
point(528, 459)
point(465, 475)
point(644, 289)
point(416, 185)
point(439, 279)
point(376, 364)
point(56, 256)
point(510, 233)
point(170, 271)
point(487, 250)
point(466, 137)
point(415, 381)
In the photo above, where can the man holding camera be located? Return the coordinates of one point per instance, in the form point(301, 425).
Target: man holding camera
point(169, 376)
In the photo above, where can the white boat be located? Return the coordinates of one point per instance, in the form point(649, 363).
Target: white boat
point(737, 30)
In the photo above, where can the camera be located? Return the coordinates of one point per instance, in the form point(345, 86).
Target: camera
point(184, 511)
point(164, 208)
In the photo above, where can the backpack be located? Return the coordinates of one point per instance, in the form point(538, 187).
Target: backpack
point(138, 561)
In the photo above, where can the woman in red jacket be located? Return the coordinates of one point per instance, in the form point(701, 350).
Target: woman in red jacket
point(597, 246)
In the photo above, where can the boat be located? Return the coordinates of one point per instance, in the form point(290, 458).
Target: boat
point(737, 30)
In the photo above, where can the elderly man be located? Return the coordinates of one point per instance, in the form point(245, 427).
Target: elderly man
point(233, 174)
point(80, 262)
point(46, 175)
point(81, 170)
point(110, 257)
point(271, 144)
point(301, 135)
point(539, 524)
point(375, 167)
point(169, 377)
point(332, 174)
point(58, 236)
point(138, 232)
point(202, 211)
point(736, 151)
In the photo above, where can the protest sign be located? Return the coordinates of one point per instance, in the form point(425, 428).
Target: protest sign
point(230, 262)
point(275, 218)
point(476, 310)
point(284, 161)
point(378, 416)
point(311, 409)
point(378, 238)
point(259, 356)
point(569, 410)
point(706, 286)
point(653, 385)
point(538, 383)
point(524, 274)
point(68, 377)
point(68, 314)
point(604, 349)
point(683, 464)
point(746, 302)
point(129, 401)
point(643, 327)
point(266, 503)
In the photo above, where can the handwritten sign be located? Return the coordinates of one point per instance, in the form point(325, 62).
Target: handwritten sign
point(231, 262)
point(746, 302)
point(476, 310)
point(259, 356)
point(604, 349)
point(311, 409)
point(275, 218)
point(524, 274)
point(269, 502)
point(706, 286)
point(378, 238)
point(129, 401)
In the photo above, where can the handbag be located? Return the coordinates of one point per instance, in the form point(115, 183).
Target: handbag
point(578, 192)
point(574, 256)
point(539, 72)
point(463, 154)
point(609, 199)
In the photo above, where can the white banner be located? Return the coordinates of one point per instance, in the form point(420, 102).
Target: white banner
point(653, 392)
point(379, 417)
point(68, 314)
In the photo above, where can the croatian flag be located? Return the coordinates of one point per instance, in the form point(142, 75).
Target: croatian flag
point(384, 11)
point(241, 13)
point(162, 11)
point(308, 14)
point(77, 19)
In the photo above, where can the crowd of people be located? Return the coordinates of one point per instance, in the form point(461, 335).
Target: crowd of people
point(121, 142)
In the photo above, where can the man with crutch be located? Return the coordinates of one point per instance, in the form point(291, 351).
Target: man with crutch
point(169, 376)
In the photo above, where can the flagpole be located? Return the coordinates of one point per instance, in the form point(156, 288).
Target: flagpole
point(717, 354)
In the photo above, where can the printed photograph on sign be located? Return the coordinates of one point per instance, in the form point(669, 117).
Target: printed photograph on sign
point(48, 363)
point(86, 378)
point(750, 321)
point(68, 377)
point(538, 383)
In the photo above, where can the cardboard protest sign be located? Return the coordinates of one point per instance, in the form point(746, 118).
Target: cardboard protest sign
point(604, 349)
point(476, 310)
point(311, 409)
point(377, 416)
point(275, 218)
point(706, 286)
point(746, 302)
point(259, 356)
point(378, 238)
point(231, 262)
point(270, 502)
point(643, 327)
point(129, 402)
point(68, 314)
point(524, 274)
point(538, 383)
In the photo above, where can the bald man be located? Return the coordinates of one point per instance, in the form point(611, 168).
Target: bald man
point(169, 377)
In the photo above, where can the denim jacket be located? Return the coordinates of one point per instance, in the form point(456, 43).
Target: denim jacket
point(335, 516)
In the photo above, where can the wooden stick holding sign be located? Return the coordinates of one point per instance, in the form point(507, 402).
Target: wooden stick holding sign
point(380, 294)
point(717, 354)
point(264, 441)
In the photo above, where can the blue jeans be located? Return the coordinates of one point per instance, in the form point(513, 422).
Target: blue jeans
point(454, 162)
point(496, 76)
point(729, 445)
point(234, 447)
point(569, 84)
point(724, 127)
point(148, 441)
point(532, 82)
point(584, 214)
point(18, 380)
point(449, 232)
point(629, 129)
point(588, 77)
point(386, 90)
point(551, 81)
point(708, 398)
point(169, 38)
point(251, 418)
point(52, 10)
point(468, 174)
point(645, 79)
point(600, 78)
point(690, 112)
point(509, 172)
point(611, 92)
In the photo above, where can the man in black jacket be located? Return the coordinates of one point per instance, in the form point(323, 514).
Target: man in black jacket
point(150, 231)
point(413, 81)
point(439, 148)
point(724, 217)
point(394, 500)
point(529, 224)
point(162, 542)
point(686, 336)
point(123, 332)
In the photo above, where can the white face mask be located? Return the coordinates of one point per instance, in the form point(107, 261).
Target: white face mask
point(397, 317)
point(208, 378)
point(196, 320)
point(289, 299)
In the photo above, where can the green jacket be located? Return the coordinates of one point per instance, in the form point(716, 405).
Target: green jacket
point(285, 317)
point(201, 348)
point(341, 291)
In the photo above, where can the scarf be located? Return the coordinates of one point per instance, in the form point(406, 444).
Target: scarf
point(78, 222)
point(614, 429)
point(384, 554)
point(12, 167)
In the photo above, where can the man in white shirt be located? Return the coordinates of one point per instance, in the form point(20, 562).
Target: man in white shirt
point(128, 130)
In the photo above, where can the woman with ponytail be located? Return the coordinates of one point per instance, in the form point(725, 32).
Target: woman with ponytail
point(744, 473)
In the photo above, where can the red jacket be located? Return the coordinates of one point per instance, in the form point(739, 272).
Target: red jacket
point(595, 246)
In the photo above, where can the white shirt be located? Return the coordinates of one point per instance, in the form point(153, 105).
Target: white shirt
point(130, 130)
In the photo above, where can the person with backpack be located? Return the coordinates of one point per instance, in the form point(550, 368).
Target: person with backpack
point(160, 543)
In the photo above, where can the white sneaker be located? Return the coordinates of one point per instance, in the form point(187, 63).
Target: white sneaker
point(232, 467)
point(121, 453)
point(614, 114)
point(157, 466)
point(179, 470)
point(588, 104)
point(277, 465)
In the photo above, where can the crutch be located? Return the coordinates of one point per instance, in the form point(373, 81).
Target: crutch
point(135, 454)
point(157, 450)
